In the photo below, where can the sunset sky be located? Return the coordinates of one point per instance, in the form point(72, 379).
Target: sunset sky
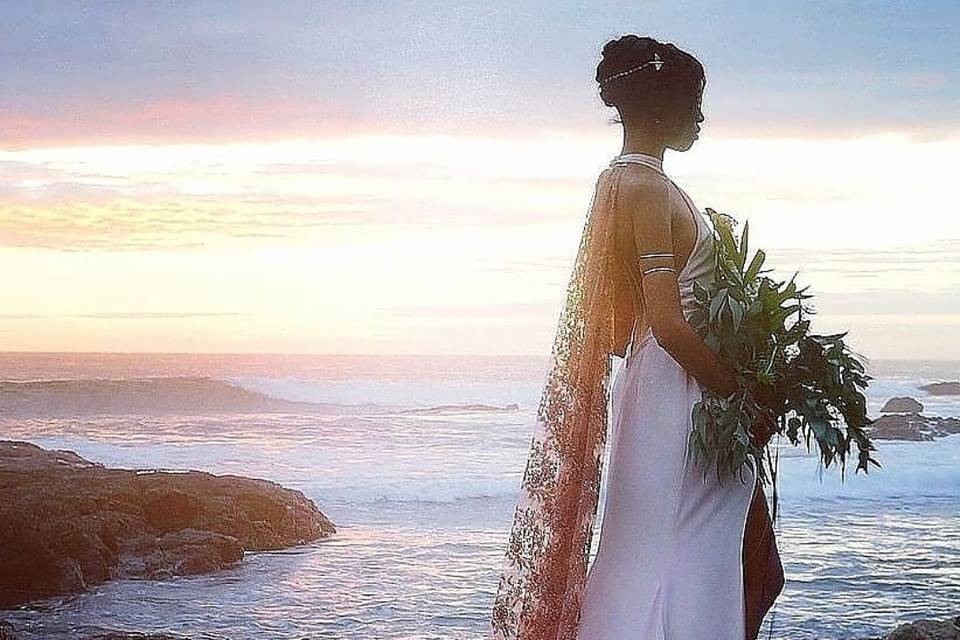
point(412, 177)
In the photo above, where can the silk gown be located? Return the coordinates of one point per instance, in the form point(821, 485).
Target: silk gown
point(669, 555)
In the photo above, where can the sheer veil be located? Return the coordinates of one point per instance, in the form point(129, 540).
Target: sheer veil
point(544, 569)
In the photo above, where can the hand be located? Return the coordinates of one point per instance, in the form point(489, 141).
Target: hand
point(762, 430)
point(730, 378)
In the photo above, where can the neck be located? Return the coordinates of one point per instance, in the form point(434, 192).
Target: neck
point(640, 141)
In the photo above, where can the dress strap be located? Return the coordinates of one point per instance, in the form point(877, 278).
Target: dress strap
point(647, 160)
point(656, 164)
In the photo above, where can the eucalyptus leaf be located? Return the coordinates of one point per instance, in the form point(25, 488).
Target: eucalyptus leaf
point(811, 383)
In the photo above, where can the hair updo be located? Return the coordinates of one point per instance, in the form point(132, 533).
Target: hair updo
point(649, 92)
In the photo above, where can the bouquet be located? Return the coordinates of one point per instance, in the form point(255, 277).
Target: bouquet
point(792, 382)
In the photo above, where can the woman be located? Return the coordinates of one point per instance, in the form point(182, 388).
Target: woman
point(669, 562)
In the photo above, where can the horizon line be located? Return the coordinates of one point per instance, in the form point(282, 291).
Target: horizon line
point(341, 354)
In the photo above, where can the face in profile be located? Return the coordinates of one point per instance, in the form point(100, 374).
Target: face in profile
point(687, 124)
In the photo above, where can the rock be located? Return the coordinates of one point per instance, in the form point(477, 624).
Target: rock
point(125, 635)
point(912, 426)
point(135, 396)
point(927, 630)
point(942, 388)
point(6, 631)
point(902, 404)
point(170, 510)
point(182, 553)
point(67, 523)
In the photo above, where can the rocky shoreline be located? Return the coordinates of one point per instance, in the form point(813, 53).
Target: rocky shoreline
point(942, 388)
point(947, 629)
point(7, 632)
point(67, 524)
point(902, 419)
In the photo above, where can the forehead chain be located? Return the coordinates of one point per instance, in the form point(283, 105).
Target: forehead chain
point(656, 62)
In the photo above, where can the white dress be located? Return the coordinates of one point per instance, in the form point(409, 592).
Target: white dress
point(669, 555)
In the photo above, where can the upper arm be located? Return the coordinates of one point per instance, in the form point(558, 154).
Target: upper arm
point(645, 202)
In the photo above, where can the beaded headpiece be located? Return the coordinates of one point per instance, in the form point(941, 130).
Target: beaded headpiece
point(656, 62)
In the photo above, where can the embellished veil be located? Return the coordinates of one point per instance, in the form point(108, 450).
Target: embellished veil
point(545, 565)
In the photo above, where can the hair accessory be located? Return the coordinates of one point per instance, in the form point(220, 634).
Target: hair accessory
point(656, 255)
point(656, 62)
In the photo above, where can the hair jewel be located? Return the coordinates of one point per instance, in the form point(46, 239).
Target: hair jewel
point(656, 62)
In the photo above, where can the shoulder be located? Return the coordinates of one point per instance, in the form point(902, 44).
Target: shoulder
point(644, 192)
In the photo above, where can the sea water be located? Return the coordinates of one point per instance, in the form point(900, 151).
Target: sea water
point(417, 460)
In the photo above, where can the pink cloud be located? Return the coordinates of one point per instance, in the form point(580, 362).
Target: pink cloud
point(218, 119)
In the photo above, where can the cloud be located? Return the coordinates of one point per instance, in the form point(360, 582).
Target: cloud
point(124, 315)
point(74, 216)
point(940, 256)
point(241, 70)
point(542, 309)
point(893, 302)
point(160, 119)
point(145, 197)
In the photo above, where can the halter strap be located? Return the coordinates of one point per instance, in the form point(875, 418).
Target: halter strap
point(656, 164)
point(638, 158)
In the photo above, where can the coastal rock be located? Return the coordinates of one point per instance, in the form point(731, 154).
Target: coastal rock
point(7, 633)
point(912, 426)
point(951, 388)
point(67, 523)
point(124, 635)
point(133, 396)
point(902, 404)
point(181, 553)
point(927, 630)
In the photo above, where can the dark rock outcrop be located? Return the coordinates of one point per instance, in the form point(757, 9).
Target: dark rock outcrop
point(902, 404)
point(7, 633)
point(942, 388)
point(135, 396)
point(948, 629)
point(67, 523)
point(912, 426)
point(125, 635)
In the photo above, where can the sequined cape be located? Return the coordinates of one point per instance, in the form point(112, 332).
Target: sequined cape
point(545, 564)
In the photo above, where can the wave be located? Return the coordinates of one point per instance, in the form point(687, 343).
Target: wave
point(411, 490)
point(420, 395)
point(460, 408)
point(912, 471)
point(199, 395)
point(134, 396)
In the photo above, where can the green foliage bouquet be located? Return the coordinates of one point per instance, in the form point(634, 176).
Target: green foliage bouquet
point(803, 384)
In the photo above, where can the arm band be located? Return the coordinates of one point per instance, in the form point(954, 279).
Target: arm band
point(655, 269)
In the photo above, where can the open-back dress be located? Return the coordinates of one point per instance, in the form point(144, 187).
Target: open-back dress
point(668, 563)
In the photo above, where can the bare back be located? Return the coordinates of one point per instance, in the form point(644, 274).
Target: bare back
point(684, 231)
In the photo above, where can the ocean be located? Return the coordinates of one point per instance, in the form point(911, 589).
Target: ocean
point(417, 460)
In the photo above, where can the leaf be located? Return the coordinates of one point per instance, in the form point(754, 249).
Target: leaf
point(729, 245)
point(742, 254)
point(715, 306)
point(736, 310)
point(789, 291)
point(760, 326)
point(755, 265)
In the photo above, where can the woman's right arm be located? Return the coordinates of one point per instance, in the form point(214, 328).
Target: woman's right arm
point(645, 202)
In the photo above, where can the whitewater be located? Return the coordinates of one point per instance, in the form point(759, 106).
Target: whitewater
point(417, 460)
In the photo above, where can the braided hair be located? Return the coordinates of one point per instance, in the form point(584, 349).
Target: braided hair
point(649, 93)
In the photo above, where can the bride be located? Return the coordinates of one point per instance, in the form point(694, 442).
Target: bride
point(669, 561)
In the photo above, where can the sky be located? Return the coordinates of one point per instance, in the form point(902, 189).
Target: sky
point(412, 177)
